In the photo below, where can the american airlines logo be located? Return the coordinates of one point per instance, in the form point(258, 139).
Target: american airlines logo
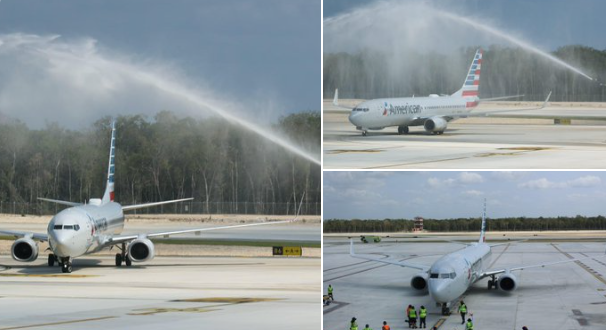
point(390, 109)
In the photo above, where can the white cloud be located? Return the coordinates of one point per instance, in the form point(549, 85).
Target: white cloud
point(508, 175)
point(468, 177)
point(464, 178)
point(543, 183)
point(474, 193)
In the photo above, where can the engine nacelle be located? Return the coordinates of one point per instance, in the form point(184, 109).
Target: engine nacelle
point(141, 249)
point(435, 124)
point(507, 282)
point(25, 250)
point(419, 281)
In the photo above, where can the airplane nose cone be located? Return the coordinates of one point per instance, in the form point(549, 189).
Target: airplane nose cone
point(439, 291)
point(354, 118)
point(63, 245)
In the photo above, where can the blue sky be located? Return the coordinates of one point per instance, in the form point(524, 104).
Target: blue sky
point(548, 23)
point(262, 52)
point(453, 194)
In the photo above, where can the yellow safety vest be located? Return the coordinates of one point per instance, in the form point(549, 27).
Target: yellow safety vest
point(330, 289)
point(469, 326)
point(463, 308)
point(423, 313)
point(412, 313)
point(354, 326)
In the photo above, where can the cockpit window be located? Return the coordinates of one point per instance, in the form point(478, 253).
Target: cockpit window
point(433, 275)
point(68, 227)
point(453, 275)
point(444, 275)
point(361, 109)
point(76, 227)
point(58, 227)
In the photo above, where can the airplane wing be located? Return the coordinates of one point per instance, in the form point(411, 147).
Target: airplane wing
point(140, 206)
point(546, 264)
point(59, 202)
point(125, 238)
point(387, 261)
point(488, 113)
point(19, 234)
point(501, 98)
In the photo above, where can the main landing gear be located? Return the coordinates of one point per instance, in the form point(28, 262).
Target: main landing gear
point(123, 257)
point(51, 260)
point(492, 283)
point(364, 132)
point(402, 130)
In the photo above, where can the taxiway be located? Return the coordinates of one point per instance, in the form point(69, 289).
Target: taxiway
point(513, 140)
point(566, 296)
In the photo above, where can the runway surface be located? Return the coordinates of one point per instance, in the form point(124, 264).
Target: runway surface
point(522, 140)
point(566, 296)
point(166, 293)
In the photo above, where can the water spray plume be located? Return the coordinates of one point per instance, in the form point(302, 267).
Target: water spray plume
point(401, 25)
point(81, 71)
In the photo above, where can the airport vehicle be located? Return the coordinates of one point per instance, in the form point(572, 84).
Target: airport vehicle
point(88, 228)
point(453, 274)
point(366, 239)
point(433, 112)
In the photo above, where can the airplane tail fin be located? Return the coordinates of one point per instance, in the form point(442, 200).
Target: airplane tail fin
point(483, 231)
point(335, 100)
point(108, 196)
point(472, 82)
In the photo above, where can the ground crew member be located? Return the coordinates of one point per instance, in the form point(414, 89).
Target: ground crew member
point(463, 311)
point(412, 317)
point(408, 314)
point(385, 326)
point(353, 325)
point(524, 328)
point(367, 328)
point(422, 316)
point(469, 325)
point(330, 293)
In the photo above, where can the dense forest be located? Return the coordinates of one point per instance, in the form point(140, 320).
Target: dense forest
point(505, 71)
point(226, 168)
point(466, 224)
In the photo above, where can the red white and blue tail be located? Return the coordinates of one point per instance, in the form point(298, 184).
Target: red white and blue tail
point(108, 196)
point(483, 231)
point(472, 83)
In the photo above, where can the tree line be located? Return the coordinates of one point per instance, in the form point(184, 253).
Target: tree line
point(466, 224)
point(162, 158)
point(505, 71)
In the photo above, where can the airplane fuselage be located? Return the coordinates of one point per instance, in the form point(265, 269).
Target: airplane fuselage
point(451, 275)
point(81, 230)
point(381, 113)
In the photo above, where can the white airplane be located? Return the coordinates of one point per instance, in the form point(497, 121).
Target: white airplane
point(88, 228)
point(453, 274)
point(432, 112)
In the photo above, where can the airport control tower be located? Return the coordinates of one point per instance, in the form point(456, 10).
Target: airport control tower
point(418, 224)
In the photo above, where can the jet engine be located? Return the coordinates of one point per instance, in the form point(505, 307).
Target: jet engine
point(141, 249)
point(435, 125)
point(507, 282)
point(25, 250)
point(419, 281)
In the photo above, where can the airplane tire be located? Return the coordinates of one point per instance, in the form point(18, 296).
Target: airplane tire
point(51, 260)
point(402, 130)
point(127, 261)
point(66, 267)
point(364, 133)
point(118, 260)
point(489, 284)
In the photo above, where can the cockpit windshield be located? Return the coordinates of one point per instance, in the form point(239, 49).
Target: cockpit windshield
point(58, 227)
point(67, 227)
point(360, 109)
point(443, 275)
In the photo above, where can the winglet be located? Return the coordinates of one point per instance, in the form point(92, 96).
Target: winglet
point(299, 210)
point(335, 101)
point(351, 249)
point(546, 100)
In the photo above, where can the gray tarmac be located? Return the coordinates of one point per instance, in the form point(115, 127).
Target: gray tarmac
point(166, 293)
point(520, 140)
point(566, 296)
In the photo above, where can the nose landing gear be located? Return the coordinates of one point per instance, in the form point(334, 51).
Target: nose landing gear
point(445, 309)
point(66, 265)
point(402, 130)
